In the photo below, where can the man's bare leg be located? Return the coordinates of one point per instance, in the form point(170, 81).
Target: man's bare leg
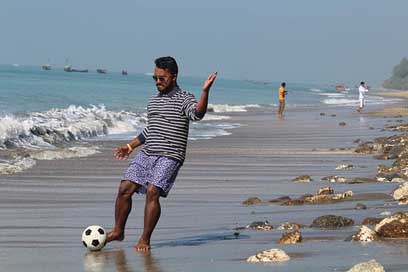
point(151, 217)
point(123, 206)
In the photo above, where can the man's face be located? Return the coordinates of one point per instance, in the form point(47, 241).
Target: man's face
point(164, 80)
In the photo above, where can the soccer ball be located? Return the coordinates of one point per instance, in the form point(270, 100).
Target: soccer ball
point(94, 238)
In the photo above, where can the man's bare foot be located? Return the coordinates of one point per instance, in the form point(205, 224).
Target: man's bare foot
point(115, 236)
point(143, 246)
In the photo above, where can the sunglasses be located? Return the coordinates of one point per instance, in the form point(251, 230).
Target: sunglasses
point(160, 78)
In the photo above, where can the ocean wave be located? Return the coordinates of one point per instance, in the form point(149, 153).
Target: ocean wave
point(58, 126)
point(231, 108)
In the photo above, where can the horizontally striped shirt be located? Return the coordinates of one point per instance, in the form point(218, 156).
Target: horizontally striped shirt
point(168, 118)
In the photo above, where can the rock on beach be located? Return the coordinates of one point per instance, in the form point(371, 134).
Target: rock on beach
point(365, 234)
point(292, 237)
point(395, 226)
point(270, 255)
point(332, 222)
point(370, 266)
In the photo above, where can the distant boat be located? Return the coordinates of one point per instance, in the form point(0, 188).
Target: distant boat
point(342, 88)
point(79, 70)
point(46, 67)
point(124, 72)
point(102, 71)
point(67, 68)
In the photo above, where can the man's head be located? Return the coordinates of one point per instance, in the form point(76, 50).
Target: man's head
point(165, 74)
point(283, 84)
point(362, 83)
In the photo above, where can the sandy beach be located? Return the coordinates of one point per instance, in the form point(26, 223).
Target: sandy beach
point(394, 110)
point(44, 210)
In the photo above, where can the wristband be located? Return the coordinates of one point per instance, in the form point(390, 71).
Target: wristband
point(129, 147)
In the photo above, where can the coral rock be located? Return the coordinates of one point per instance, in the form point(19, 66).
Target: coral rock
point(365, 234)
point(331, 222)
point(303, 178)
point(371, 266)
point(252, 201)
point(291, 226)
point(395, 226)
point(270, 255)
point(260, 225)
point(291, 237)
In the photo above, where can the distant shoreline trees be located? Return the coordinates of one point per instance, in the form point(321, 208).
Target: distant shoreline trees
point(399, 78)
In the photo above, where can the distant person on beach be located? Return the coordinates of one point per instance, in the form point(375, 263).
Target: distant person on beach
point(281, 95)
point(154, 168)
point(362, 90)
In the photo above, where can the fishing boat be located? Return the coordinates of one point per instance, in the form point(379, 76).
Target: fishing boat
point(67, 68)
point(79, 70)
point(342, 88)
point(46, 67)
point(101, 71)
point(124, 72)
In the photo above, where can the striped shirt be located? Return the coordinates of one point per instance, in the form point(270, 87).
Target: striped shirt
point(168, 118)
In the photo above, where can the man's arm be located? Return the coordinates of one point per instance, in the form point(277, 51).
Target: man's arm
point(123, 152)
point(201, 107)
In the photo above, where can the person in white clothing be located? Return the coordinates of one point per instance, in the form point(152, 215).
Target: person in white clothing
point(362, 90)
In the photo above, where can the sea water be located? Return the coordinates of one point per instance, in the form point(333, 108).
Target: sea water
point(50, 114)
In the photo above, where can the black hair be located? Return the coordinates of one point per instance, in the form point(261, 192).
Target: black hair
point(283, 84)
point(168, 63)
point(362, 83)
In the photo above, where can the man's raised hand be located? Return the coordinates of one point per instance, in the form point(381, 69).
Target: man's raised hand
point(210, 80)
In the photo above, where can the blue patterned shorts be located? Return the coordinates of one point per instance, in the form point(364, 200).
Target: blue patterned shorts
point(157, 170)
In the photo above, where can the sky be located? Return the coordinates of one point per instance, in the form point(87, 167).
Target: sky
point(313, 41)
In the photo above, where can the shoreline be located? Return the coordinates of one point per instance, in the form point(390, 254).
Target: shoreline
point(393, 110)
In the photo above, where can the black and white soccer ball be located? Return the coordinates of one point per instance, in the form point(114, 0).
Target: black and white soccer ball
point(94, 237)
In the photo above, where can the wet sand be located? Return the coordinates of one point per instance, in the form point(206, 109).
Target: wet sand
point(44, 210)
point(394, 110)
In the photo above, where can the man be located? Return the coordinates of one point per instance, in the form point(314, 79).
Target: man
point(362, 90)
point(155, 167)
point(282, 94)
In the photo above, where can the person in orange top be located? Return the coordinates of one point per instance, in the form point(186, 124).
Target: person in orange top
point(282, 94)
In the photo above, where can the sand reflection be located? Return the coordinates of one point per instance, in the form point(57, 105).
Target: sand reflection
point(105, 260)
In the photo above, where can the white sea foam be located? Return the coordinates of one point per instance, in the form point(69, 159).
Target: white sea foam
point(332, 94)
point(208, 134)
point(8, 167)
point(64, 153)
point(208, 131)
point(231, 108)
point(315, 90)
point(343, 101)
point(371, 100)
point(212, 117)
